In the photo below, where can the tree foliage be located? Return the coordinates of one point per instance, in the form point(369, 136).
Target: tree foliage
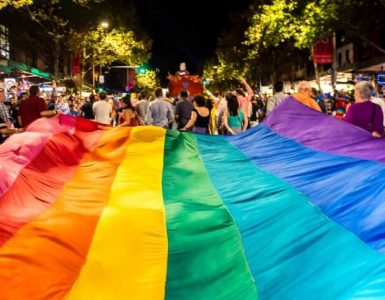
point(230, 61)
point(102, 47)
point(305, 21)
point(15, 3)
point(148, 80)
point(23, 3)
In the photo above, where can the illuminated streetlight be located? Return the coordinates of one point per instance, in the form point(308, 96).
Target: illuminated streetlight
point(104, 24)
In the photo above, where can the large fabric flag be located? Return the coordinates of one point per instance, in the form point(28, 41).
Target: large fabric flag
point(291, 209)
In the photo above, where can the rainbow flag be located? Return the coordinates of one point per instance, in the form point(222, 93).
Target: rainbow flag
point(291, 209)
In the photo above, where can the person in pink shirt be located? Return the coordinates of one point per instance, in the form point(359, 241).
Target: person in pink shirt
point(244, 99)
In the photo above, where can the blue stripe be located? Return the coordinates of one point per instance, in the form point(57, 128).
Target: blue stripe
point(350, 191)
point(293, 250)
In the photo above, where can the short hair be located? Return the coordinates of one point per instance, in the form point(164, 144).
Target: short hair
point(200, 100)
point(102, 96)
point(183, 93)
point(92, 97)
point(364, 88)
point(144, 94)
point(158, 92)
point(303, 85)
point(278, 86)
point(34, 90)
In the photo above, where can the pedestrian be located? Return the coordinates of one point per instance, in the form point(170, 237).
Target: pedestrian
point(303, 95)
point(160, 112)
point(277, 98)
point(183, 110)
point(102, 110)
point(86, 111)
point(364, 113)
point(128, 116)
point(34, 107)
point(200, 116)
point(234, 119)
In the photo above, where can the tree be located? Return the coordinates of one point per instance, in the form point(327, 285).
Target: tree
point(304, 22)
point(147, 80)
point(103, 47)
point(23, 3)
point(15, 3)
point(230, 61)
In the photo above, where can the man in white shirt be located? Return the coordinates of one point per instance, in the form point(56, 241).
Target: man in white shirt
point(102, 110)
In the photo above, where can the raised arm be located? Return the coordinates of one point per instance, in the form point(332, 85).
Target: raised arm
point(249, 90)
point(211, 96)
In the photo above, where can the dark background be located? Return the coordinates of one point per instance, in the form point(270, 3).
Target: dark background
point(185, 31)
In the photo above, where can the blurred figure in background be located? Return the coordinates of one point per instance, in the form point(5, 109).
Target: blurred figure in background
point(278, 97)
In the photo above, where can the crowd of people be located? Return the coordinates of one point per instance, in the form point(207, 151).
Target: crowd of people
point(221, 112)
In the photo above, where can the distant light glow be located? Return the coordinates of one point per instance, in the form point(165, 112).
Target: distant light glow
point(105, 24)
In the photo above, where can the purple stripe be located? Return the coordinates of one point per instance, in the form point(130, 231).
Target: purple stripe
point(318, 131)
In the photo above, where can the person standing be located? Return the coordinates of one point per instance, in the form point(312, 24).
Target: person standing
point(200, 116)
point(182, 70)
point(220, 105)
point(364, 113)
point(234, 119)
point(303, 95)
point(34, 107)
point(86, 109)
point(183, 109)
point(4, 111)
point(128, 116)
point(142, 106)
point(278, 97)
point(102, 110)
point(160, 112)
point(244, 99)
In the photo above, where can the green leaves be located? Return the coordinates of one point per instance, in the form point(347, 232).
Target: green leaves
point(102, 47)
point(22, 3)
point(15, 3)
point(147, 80)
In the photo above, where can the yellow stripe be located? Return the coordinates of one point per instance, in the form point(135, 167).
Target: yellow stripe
point(128, 255)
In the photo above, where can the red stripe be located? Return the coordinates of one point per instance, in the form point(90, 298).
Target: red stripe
point(44, 258)
point(20, 149)
point(61, 155)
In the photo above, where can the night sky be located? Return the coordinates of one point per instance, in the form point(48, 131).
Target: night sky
point(185, 31)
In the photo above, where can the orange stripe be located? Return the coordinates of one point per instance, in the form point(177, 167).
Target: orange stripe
point(44, 258)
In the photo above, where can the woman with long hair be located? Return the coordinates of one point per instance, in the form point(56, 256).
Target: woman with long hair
point(234, 119)
point(128, 115)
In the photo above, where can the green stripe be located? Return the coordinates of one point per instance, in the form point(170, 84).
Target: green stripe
point(206, 259)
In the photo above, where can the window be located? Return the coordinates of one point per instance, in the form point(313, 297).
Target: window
point(4, 42)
